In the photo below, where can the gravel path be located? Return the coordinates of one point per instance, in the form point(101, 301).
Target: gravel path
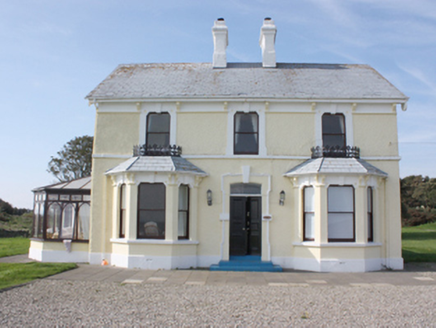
point(86, 303)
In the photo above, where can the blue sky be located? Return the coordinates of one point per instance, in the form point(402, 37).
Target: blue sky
point(52, 53)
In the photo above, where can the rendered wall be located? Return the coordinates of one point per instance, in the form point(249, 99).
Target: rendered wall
point(290, 130)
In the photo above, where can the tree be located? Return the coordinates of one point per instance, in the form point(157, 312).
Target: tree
point(73, 161)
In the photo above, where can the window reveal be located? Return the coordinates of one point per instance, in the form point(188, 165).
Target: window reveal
point(158, 129)
point(246, 134)
point(151, 211)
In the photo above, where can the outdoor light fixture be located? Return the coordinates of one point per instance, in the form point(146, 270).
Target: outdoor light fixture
point(282, 198)
point(209, 197)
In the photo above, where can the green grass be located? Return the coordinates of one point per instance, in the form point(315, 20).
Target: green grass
point(12, 274)
point(14, 246)
point(419, 243)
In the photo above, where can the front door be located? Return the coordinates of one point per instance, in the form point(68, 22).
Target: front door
point(245, 226)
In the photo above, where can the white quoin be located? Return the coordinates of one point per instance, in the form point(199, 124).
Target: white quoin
point(267, 43)
point(220, 43)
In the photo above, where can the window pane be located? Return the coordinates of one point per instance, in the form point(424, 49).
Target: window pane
point(64, 197)
point(159, 139)
point(53, 221)
point(333, 140)
point(340, 226)
point(83, 224)
point(333, 123)
point(158, 122)
point(340, 199)
point(246, 122)
point(68, 222)
point(309, 226)
point(183, 197)
point(151, 196)
point(151, 224)
point(123, 196)
point(245, 188)
point(36, 219)
point(183, 224)
point(41, 220)
point(246, 143)
point(76, 197)
point(52, 197)
point(309, 199)
point(369, 194)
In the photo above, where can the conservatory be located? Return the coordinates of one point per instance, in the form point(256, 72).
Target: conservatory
point(61, 220)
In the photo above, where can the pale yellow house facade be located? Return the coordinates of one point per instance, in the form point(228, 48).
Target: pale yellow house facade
point(291, 164)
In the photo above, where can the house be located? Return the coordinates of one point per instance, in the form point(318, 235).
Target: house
point(287, 165)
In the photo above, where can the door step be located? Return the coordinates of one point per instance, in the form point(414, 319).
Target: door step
point(246, 263)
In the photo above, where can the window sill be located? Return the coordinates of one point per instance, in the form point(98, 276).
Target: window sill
point(153, 241)
point(337, 244)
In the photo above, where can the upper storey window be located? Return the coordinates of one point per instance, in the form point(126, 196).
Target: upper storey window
point(246, 138)
point(333, 130)
point(158, 129)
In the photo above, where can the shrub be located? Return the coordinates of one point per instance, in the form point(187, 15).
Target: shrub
point(415, 217)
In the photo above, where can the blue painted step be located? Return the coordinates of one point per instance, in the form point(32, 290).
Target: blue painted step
point(246, 263)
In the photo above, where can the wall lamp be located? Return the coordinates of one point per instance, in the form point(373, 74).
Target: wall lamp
point(282, 198)
point(209, 197)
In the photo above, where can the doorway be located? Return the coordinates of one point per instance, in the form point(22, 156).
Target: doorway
point(245, 226)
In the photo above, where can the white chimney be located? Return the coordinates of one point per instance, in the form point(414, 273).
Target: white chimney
point(267, 43)
point(220, 43)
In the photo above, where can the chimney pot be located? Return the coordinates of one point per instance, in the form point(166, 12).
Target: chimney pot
point(267, 41)
point(220, 43)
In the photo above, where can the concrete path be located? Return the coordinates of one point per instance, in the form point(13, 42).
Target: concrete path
point(16, 259)
point(415, 274)
point(426, 276)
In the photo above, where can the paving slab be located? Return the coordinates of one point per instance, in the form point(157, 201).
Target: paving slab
point(86, 272)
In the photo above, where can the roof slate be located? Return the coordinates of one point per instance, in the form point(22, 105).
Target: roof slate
point(245, 80)
point(326, 165)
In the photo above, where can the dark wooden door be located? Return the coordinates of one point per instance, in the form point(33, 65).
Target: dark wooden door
point(245, 226)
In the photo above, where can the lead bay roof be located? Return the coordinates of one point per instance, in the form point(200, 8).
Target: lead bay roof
point(245, 80)
point(157, 164)
point(326, 165)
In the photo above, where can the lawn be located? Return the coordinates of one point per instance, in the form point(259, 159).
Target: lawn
point(12, 274)
point(14, 246)
point(419, 243)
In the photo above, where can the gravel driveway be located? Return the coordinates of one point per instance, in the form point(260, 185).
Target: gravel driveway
point(86, 303)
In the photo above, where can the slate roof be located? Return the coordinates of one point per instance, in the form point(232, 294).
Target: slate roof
point(245, 80)
point(157, 164)
point(81, 183)
point(327, 165)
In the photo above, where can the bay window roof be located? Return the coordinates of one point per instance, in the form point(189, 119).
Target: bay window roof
point(327, 165)
point(157, 164)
